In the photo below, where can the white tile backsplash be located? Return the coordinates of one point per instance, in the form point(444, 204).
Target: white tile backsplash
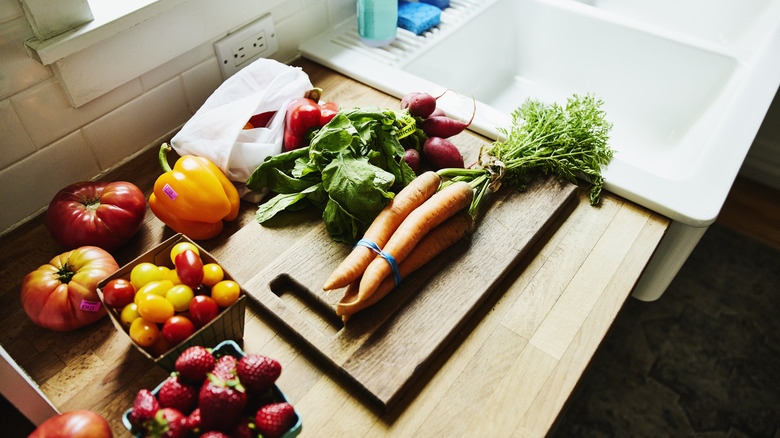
point(200, 81)
point(17, 70)
point(14, 141)
point(30, 184)
point(116, 135)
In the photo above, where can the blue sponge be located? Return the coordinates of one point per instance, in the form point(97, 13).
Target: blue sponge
point(417, 17)
point(441, 4)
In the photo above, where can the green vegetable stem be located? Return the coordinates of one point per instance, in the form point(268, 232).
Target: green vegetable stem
point(568, 142)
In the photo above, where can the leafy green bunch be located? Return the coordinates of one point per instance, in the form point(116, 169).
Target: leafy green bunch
point(569, 142)
point(348, 171)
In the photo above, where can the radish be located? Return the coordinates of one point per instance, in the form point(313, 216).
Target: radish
point(445, 127)
point(412, 158)
point(419, 104)
point(441, 153)
point(437, 112)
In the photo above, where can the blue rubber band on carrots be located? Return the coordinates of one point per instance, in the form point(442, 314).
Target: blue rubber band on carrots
point(390, 260)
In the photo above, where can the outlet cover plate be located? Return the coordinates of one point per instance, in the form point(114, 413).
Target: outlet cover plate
point(238, 49)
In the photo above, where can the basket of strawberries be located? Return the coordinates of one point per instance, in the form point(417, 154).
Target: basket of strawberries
point(219, 392)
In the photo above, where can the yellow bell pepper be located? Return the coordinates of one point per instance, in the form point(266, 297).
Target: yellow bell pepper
point(194, 197)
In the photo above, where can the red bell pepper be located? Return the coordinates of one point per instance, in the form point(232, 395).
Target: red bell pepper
point(304, 115)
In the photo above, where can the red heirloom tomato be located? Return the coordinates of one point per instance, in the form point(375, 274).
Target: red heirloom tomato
point(62, 295)
point(74, 424)
point(96, 213)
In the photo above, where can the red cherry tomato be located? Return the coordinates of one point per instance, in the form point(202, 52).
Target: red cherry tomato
point(189, 268)
point(177, 328)
point(118, 293)
point(202, 310)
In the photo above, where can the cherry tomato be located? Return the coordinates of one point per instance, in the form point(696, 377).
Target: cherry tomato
point(180, 296)
point(143, 273)
point(177, 328)
point(143, 332)
point(212, 274)
point(160, 346)
point(225, 292)
point(169, 274)
point(202, 310)
point(158, 287)
point(118, 293)
point(129, 314)
point(189, 268)
point(180, 248)
point(155, 308)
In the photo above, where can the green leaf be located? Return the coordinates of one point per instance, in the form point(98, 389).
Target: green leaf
point(359, 187)
point(281, 202)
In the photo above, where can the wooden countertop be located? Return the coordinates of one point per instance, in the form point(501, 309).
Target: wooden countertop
point(509, 372)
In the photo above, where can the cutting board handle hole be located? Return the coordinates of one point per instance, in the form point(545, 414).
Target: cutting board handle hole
point(306, 303)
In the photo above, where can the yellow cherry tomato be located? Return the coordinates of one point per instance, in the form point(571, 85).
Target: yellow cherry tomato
point(155, 308)
point(144, 332)
point(180, 248)
point(225, 292)
point(143, 273)
point(159, 287)
point(212, 274)
point(169, 274)
point(180, 296)
point(129, 314)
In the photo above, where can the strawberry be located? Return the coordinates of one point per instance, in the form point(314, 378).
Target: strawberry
point(257, 373)
point(274, 420)
point(214, 434)
point(193, 421)
point(168, 423)
point(220, 403)
point(194, 363)
point(243, 429)
point(225, 368)
point(178, 394)
point(145, 406)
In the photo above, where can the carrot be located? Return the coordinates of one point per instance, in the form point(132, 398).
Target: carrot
point(440, 207)
point(439, 239)
point(380, 230)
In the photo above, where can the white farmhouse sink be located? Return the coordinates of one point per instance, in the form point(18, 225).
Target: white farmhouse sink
point(686, 83)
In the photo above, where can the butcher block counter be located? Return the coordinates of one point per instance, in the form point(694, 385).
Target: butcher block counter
point(507, 370)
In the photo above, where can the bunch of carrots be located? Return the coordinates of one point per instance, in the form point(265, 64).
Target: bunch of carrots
point(419, 223)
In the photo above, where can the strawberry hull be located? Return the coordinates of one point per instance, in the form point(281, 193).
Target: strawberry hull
point(232, 349)
point(228, 325)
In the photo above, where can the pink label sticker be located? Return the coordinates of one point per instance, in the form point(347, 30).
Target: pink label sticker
point(168, 190)
point(90, 306)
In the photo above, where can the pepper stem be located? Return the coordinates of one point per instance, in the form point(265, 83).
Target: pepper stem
point(163, 157)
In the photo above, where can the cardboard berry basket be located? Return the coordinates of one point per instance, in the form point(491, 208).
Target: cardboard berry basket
point(232, 349)
point(228, 325)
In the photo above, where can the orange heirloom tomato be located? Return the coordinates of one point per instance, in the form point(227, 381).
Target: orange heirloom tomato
point(62, 295)
point(144, 332)
point(225, 292)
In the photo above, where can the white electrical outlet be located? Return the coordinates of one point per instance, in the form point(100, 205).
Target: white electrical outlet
point(240, 48)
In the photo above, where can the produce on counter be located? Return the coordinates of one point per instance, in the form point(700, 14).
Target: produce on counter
point(305, 115)
point(567, 142)
point(259, 120)
point(234, 395)
point(168, 305)
point(62, 295)
point(441, 153)
point(103, 214)
point(74, 424)
point(193, 198)
point(348, 171)
point(383, 226)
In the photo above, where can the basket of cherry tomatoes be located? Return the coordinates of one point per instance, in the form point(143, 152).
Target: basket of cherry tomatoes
point(173, 297)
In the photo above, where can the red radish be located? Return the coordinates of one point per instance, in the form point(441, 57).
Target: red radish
point(437, 113)
point(419, 104)
point(445, 127)
point(441, 153)
point(412, 158)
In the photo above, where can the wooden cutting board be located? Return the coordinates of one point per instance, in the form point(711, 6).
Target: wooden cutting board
point(383, 348)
